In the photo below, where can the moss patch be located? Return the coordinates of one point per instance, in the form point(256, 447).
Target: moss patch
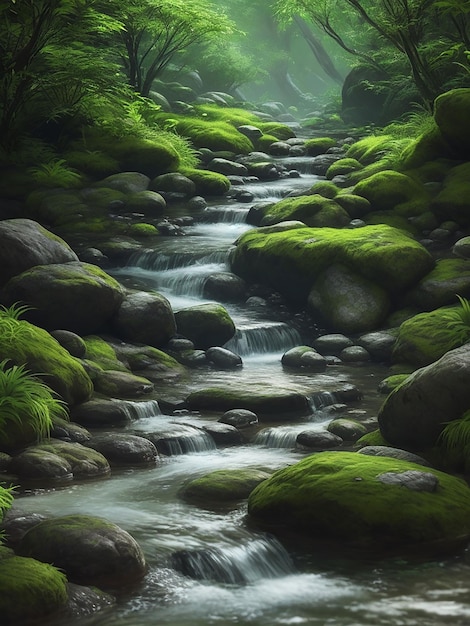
point(207, 183)
point(314, 210)
point(339, 495)
point(223, 485)
point(30, 589)
point(319, 145)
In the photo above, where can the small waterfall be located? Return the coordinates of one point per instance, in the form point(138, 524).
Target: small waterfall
point(244, 564)
point(141, 410)
point(156, 261)
point(277, 437)
point(321, 399)
point(181, 439)
point(275, 337)
point(188, 281)
point(226, 215)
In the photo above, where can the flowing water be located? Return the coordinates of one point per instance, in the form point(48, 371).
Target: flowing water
point(210, 566)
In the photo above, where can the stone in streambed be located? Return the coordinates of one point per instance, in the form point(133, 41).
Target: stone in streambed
point(206, 325)
point(222, 486)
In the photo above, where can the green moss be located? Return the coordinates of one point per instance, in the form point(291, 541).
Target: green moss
point(426, 337)
point(265, 141)
point(229, 115)
point(392, 382)
point(370, 149)
point(429, 146)
point(439, 288)
point(374, 438)
point(390, 190)
point(314, 210)
point(451, 116)
point(319, 145)
point(453, 202)
point(213, 134)
point(290, 261)
point(94, 163)
point(339, 495)
point(391, 219)
point(102, 353)
point(85, 462)
point(207, 183)
point(223, 485)
point(454, 444)
point(431, 171)
point(143, 230)
point(281, 131)
point(343, 166)
point(325, 188)
point(30, 590)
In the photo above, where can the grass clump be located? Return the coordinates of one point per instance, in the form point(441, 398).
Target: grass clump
point(56, 173)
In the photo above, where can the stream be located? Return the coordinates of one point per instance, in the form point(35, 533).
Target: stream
point(238, 574)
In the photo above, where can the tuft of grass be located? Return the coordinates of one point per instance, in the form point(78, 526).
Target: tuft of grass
point(454, 442)
point(56, 173)
point(26, 402)
point(461, 324)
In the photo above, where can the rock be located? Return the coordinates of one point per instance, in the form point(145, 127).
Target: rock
point(338, 496)
point(252, 132)
point(415, 413)
point(347, 429)
point(262, 400)
point(240, 418)
point(72, 342)
point(124, 449)
point(332, 343)
point(379, 344)
point(224, 166)
point(438, 288)
point(127, 182)
point(462, 248)
point(354, 354)
point(313, 210)
point(348, 302)
point(149, 360)
point(85, 601)
point(30, 590)
point(225, 287)
point(16, 524)
point(100, 413)
point(317, 440)
point(90, 550)
point(206, 325)
point(223, 358)
point(222, 486)
point(223, 434)
point(394, 453)
point(68, 431)
point(147, 202)
point(71, 296)
point(121, 384)
point(174, 182)
point(145, 317)
point(304, 356)
point(414, 480)
point(355, 206)
point(450, 116)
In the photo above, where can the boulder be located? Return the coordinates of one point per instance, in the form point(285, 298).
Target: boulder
point(414, 415)
point(72, 296)
point(379, 344)
point(145, 317)
point(347, 429)
point(349, 498)
point(121, 384)
point(25, 243)
point(72, 342)
point(223, 434)
point(225, 287)
point(206, 325)
point(126, 182)
point(332, 343)
point(222, 486)
point(451, 117)
point(101, 413)
point(90, 550)
point(229, 168)
point(240, 418)
point(348, 302)
point(313, 210)
point(304, 357)
point(174, 182)
point(452, 202)
point(147, 202)
point(223, 358)
point(438, 288)
point(124, 449)
point(317, 440)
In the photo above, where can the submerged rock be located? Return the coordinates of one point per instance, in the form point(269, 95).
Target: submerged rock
point(223, 486)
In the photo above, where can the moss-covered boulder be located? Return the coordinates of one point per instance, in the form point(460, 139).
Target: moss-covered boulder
point(90, 550)
point(453, 201)
point(439, 288)
point(348, 302)
point(342, 167)
point(73, 296)
point(223, 486)
point(414, 415)
point(207, 183)
point(118, 384)
point(31, 590)
point(124, 183)
point(364, 501)
point(290, 261)
point(148, 360)
point(145, 317)
point(148, 202)
point(263, 400)
point(451, 117)
point(319, 145)
point(25, 344)
point(314, 210)
point(25, 243)
point(102, 353)
point(215, 135)
point(426, 337)
point(390, 190)
point(136, 154)
point(205, 325)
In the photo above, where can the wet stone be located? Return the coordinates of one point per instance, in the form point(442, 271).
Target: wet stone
point(240, 418)
point(317, 440)
point(411, 479)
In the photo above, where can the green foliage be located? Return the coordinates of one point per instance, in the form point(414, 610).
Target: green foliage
point(6, 500)
point(460, 326)
point(56, 173)
point(454, 442)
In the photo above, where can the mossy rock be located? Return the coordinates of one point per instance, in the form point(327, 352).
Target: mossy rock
point(387, 385)
point(364, 501)
point(325, 188)
point(31, 590)
point(94, 163)
point(426, 337)
point(430, 146)
point(347, 428)
point(265, 142)
point(319, 145)
point(57, 207)
point(149, 360)
point(451, 117)
point(278, 130)
point(390, 190)
point(102, 353)
point(90, 550)
point(207, 183)
point(315, 210)
point(431, 171)
point(260, 399)
point(369, 149)
point(453, 202)
point(230, 115)
point(439, 288)
point(119, 384)
point(292, 260)
point(25, 344)
point(374, 438)
point(355, 206)
point(223, 486)
point(206, 325)
point(215, 135)
point(102, 197)
point(342, 167)
point(391, 219)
